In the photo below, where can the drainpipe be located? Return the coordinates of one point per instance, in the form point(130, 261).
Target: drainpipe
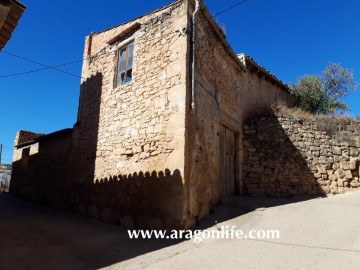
point(197, 7)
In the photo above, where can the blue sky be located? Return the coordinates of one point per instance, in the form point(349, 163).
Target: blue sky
point(290, 38)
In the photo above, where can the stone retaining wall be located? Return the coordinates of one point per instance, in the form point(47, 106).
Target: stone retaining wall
point(286, 156)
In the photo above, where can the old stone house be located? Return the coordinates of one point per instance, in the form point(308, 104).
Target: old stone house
point(158, 137)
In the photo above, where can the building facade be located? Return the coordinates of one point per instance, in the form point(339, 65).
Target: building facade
point(158, 138)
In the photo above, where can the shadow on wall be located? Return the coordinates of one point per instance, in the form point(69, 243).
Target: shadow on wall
point(42, 176)
point(61, 160)
point(274, 166)
point(85, 136)
point(143, 200)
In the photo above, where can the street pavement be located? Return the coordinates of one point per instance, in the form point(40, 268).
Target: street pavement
point(315, 233)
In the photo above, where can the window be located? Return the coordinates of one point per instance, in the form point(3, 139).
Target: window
point(125, 64)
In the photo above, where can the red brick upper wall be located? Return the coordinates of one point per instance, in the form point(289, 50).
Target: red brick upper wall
point(99, 40)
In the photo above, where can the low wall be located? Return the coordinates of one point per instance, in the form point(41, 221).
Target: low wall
point(287, 156)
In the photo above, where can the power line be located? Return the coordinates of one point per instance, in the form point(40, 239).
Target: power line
point(41, 69)
point(47, 67)
point(38, 63)
point(7, 148)
point(229, 8)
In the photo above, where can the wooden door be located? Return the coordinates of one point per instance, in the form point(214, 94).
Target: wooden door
point(227, 161)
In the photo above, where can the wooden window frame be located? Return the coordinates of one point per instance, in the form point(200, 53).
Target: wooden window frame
point(119, 80)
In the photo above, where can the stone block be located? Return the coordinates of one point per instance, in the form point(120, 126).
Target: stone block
point(336, 150)
point(354, 152)
point(344, 165)
point(321, 169)
point(355, 184)
point(352, 164)
point(340, 173)
point(333, 177)
point(348, 174)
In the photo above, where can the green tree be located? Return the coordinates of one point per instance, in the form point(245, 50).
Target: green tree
point(321, 94)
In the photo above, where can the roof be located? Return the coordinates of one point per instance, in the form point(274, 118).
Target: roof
point(252, 65)
point(55, 134)
point(10, 14)
point(221, 36)
point(245, 62)
point(46, 137)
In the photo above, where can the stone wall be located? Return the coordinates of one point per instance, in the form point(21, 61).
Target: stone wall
point(42, 175)
point(226, 92)
point(128, 138)
point(24, 137)
point(138, 126)
point(142, 199)
point(286, 156)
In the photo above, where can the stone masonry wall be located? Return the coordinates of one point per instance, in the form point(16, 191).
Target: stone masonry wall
point(137, 128)
point(226, 93)
point(22, 137)
point(42, 175)
point(287, 156)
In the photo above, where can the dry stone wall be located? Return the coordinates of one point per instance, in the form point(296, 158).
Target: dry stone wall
point(287, 156)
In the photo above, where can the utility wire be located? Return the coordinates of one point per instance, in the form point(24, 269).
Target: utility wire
point(41, 69)
point(46, 67)
point(35, 62)
point(7, 148)
point(229, 8)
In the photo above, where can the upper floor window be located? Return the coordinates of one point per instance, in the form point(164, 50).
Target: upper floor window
point(125, 64)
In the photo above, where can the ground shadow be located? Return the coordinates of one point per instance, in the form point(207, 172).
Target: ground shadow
point(58, 240)
point(58, 170)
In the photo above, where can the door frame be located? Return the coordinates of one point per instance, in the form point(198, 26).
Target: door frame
point(236, 127)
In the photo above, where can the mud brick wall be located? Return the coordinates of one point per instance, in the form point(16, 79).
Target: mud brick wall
point(286, 156)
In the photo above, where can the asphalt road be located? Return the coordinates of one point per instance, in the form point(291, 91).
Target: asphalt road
point(321, 233)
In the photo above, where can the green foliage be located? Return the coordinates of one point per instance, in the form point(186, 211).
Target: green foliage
point(321, 94)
